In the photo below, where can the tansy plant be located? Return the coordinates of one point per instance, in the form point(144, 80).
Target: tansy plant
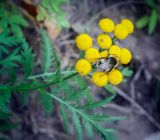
point(20, 75)
point(103, 63)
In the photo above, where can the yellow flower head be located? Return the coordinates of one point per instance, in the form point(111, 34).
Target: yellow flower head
point(84, 41)
point(115, 50)
point(83, 67)
point(104, 41)
point(115, 77)
point(126, 56)
point(120, 31)
point(129, 24)
point(92, 55)
point(103, 54)
point(106, 25)
point(100, 78)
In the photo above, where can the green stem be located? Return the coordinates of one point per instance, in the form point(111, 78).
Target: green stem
point(114, 39)
point(17, 89)
point(49, 74)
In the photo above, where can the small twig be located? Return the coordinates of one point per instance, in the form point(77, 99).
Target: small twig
point(52, 133)
point(138, 106)
point(65, 36)
point(118, 107)
point(134, 80)
point(67, 42)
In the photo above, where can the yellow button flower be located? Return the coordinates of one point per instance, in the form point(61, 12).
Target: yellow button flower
point(115, 77)
point(83, 67)
point(126, 56)
point(100, 78)
point(129, 24)
point(115, 50)
point(84, 41)
point(92, 55)
point(103, 54)
point(104, 41)
point(120, 31)
point(106, 25)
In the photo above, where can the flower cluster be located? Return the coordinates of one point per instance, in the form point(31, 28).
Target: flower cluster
point(107, 48)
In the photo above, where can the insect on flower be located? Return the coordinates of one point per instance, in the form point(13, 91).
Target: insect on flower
point(107, 64)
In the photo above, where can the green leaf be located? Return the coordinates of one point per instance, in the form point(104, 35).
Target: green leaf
point(16, 29)
point(127, 72)
point(41, 14)
point(12, 20)
point(77, 95)
point(106, 118)
point(142, 22)
point(47, 52)
point(4, 115)
point(77, 125)
point(150, 3)
point(18, 19)
point(152, 21)
point(7, 127)
point(27, 58)
point(52, 10)
point(3, 49)
point(64, 118)
point(78, 113)
point(8, 40)
point(11, 60)
point(46, 101)
point(61, 21)
point(88, 128)
point(4, 98)
point(98, 103)
point(49, 55)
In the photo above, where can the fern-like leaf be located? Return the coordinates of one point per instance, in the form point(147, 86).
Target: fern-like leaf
point(12, 59)
point(64, 118)
point(77, 124)
point(8, 40)
point(47, 52)
point(4, 98)
point(88, 128)
point(77, 114)
point(106, 118)
point(98, 103)
point(27, 58)
point(46, 101)
point(49, 55)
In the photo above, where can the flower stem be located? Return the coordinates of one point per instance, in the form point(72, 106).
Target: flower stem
point(49, 74)
point(35, 87)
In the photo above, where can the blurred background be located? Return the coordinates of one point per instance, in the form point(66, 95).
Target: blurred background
point(138, 98)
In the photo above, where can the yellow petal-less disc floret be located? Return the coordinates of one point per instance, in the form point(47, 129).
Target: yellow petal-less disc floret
point(126, 56)
point(120, 31)
point(83, 67)
point(115, 77)
point(115, 50)
point(100, 78)
point(129, 24)
point(84, 41)
point(103, 54)
point(104, 41)
point(106, 25)
point(92, 55)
